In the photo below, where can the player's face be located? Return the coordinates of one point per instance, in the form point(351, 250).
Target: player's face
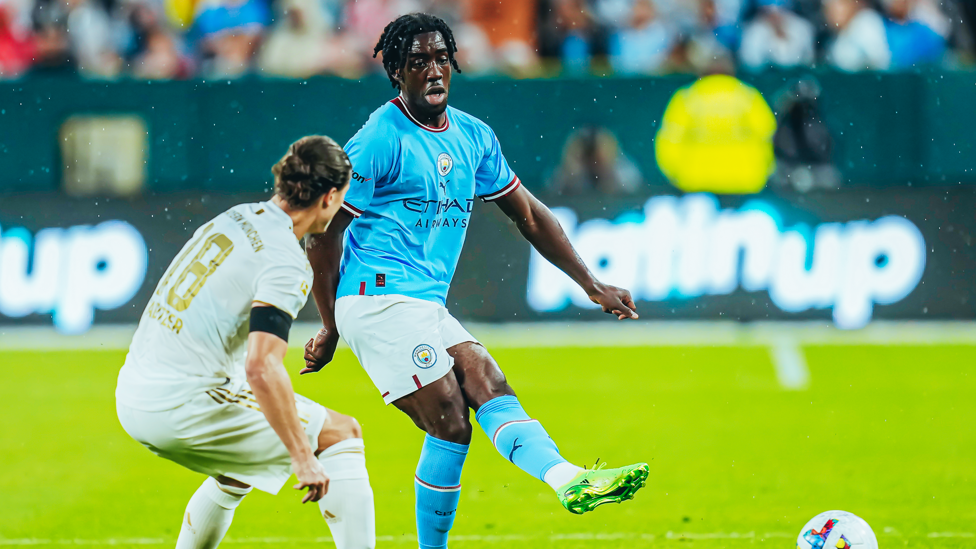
point(426, 78)
point(327, 209)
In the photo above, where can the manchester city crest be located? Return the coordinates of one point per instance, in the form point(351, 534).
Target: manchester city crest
point(444, 164)
point(424, 356)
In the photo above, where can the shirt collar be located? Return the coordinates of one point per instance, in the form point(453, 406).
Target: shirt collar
point(401, 104)
point(278, 214)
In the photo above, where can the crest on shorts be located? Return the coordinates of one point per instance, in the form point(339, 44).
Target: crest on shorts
point(444, 164)
point(424, 356)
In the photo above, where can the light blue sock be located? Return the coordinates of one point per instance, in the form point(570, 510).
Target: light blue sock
point(438, 489)
point(517, 437)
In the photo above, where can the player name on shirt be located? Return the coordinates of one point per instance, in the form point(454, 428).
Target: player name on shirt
point(249, 231)
point(165, 317)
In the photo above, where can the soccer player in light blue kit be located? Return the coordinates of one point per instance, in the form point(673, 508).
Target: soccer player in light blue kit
point(418, 167)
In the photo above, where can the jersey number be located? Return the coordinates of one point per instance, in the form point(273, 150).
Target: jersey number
point(197, 268)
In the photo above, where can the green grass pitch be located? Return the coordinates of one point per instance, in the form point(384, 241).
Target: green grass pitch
point(736, 461)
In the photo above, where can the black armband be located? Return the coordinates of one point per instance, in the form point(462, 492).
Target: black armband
point(271, 320)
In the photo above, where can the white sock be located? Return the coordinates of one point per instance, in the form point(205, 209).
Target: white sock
point(209, 514)
point(560, 474)
point(348, 507)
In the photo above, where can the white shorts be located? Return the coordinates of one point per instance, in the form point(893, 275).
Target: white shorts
point(401, 341)
point(223, 432)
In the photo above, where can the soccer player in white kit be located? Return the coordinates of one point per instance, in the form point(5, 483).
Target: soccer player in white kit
point(204, 385)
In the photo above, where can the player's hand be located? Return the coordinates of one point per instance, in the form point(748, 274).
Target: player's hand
point(310, 475)
point(613, 300)
point(320, 350)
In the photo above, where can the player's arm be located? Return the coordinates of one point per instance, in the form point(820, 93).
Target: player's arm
point(541, 228)
point(266, 346)
point(324, 254)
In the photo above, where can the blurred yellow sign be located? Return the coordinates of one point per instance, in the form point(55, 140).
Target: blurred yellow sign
point(717, 136)
point(180, 12)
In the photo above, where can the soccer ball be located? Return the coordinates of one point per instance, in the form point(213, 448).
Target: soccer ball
point(836, 530)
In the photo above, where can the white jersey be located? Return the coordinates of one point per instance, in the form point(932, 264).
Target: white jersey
point(193, 333)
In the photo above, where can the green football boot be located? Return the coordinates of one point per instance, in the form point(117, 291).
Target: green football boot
point(592, 488)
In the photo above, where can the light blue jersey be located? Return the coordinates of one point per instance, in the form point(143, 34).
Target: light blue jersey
point(412, 192)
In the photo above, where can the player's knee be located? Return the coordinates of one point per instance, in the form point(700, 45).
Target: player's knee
point(497, 384)
point(355, 430)
point(452, 428)
point(484, 381)
point(339, 427)
point(347, 427)
point(452, 432)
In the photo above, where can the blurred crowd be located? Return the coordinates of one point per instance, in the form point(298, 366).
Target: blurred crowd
point(174, 39)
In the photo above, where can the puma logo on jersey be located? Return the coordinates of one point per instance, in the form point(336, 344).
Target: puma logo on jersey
point(515, 446)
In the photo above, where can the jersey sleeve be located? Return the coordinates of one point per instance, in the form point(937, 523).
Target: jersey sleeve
point(494, 178)
point(283, 286)
point(372, 157)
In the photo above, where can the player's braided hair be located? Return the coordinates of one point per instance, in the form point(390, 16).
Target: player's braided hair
point(313, 166)
point(398, 36)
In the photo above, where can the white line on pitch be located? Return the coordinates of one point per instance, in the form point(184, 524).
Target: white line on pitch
point(600, 536)
point(790, 364)
point(576, 334)
point(604, 536)
point(725, 535)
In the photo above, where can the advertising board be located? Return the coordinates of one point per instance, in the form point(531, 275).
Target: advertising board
point(850, 256)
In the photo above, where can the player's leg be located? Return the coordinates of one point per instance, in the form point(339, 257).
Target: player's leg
point(210, 512)
point(519, 438)
point(398, 342)
point(523, 441)
point(439, 409)
point(348, 505)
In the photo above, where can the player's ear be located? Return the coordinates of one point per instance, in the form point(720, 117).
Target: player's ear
point(329, 198)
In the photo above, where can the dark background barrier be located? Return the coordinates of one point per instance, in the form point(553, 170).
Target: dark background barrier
point(901, 142)
point(889, 129)
point(491, 281)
